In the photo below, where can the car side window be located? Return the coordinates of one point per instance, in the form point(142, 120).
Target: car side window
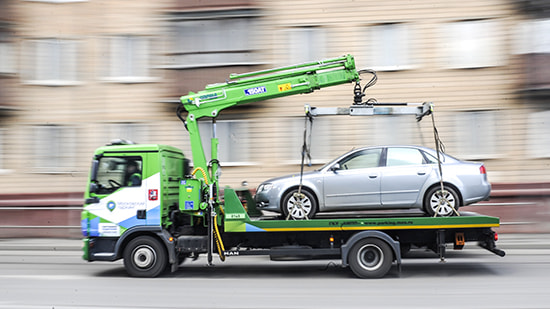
point(363, 159)
point(404, 156)
point(431, 159)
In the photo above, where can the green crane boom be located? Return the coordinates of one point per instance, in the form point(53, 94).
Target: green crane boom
point(258, 86)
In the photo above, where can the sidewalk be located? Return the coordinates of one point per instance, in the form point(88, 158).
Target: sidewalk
point(506, 241)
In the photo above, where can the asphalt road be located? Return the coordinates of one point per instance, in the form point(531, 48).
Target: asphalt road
point(46, 273)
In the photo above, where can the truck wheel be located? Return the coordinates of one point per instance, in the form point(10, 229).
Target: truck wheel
point(370, 258)
point(299, 207)
point(442, 204)
point(145, 256)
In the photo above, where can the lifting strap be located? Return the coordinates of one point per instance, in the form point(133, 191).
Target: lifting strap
point(439, 147)
point(306, 153)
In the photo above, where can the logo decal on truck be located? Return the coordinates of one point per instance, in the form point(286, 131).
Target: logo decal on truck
point(153, 194)
point(255, 90)
point(111, 205)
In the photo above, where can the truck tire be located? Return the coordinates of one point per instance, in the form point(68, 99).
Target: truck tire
point(145, 256)
point(370, 258)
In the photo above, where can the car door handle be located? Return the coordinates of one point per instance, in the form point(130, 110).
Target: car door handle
point(372, 176)
point(421, 173)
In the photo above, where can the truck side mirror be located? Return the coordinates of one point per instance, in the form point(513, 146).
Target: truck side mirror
point(93, 187)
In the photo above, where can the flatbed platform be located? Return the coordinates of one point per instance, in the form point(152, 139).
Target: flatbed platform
point(237, 220)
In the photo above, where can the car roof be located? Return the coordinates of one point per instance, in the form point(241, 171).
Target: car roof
point(426, 149)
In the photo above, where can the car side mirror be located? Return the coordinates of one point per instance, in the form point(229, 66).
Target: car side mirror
point(335, 167)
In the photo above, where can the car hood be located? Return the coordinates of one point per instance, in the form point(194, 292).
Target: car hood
point(292, 177)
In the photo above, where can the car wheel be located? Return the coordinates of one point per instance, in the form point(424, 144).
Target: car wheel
point(440, 203)
point(145, 256)
point(370, 258)
point(298, 206)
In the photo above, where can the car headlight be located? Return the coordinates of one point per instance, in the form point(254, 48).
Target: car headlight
point(265, 187)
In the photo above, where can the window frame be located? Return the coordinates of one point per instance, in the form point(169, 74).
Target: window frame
point(473, 44)
point(226, 149)
point(538, 141)
point(476, 148)
point(380, 59)
point(41, 59)
point(300, 40)
point(209, 52)
point(128, 63)
point(54, 149)
point(7, 54)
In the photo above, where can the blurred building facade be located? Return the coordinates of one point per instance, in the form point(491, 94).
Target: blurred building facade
point(75, 74)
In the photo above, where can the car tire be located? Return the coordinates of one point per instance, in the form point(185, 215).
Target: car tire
point(370, 258)
point(448, 201)
point(299, 208)
point(145, 256)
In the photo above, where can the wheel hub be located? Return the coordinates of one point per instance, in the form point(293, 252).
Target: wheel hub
point(371, 257)
point(299, 206)
point(144, 257)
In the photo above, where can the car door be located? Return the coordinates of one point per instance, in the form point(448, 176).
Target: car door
point(403, 176)
point(354, 181)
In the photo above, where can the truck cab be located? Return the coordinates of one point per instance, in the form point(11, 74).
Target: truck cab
point(130, 186)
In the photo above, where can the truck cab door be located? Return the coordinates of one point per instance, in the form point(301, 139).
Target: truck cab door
point(116, 198)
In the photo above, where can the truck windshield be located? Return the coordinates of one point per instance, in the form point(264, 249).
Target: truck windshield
point(117, 172)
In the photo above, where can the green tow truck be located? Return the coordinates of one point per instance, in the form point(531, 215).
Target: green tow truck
point(174, 211)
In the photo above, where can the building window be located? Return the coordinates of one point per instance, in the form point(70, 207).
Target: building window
point(387, 130)
point(307, 44)
point(224, 38)
point(50, 62)
point(57, 1)
point(2, 155)
point(539, 139)
point(131, 132)
point(388, 47)
point(473, 44)
point(318, 139)
point(533, 37)
point(233, 137)
point(394, 129)
point(128, 59)
point(54, 148)
point(476, 136)
point(7, 54)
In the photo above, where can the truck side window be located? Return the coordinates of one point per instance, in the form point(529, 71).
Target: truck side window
point(117, 172)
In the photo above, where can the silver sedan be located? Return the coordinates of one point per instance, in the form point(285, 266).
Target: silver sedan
point(374, 178)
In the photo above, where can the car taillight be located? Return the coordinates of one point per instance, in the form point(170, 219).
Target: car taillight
point(482, 170)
